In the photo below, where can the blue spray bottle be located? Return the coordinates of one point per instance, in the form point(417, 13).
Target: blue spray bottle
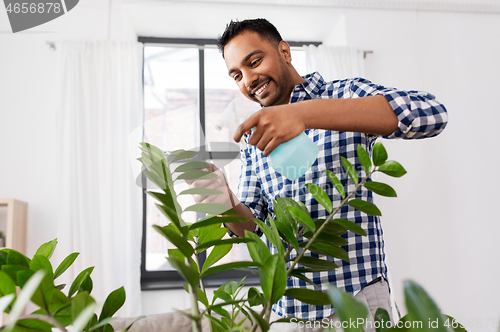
point(291, 159)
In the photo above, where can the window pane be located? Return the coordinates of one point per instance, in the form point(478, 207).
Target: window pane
point(171, 85)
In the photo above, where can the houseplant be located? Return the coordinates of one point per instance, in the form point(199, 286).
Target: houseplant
point(292, 221)
point(36, 280)
point(2, 240)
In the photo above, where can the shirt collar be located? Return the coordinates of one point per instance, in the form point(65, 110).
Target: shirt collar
point(311, 86)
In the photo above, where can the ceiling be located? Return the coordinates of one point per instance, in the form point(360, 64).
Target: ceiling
point(297, 20)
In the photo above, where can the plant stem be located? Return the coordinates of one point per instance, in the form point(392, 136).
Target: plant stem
point(202, 287)
point(316, 234)
point(195, 311)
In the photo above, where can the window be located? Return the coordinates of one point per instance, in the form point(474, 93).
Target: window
point(186, 89)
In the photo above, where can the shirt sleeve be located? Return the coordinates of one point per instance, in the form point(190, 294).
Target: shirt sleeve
point(419, 114)
point(249, 189)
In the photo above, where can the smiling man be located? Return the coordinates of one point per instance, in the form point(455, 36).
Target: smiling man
point(337, 116)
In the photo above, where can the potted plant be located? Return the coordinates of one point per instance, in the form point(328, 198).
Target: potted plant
point(2, 240)
point(292, 222)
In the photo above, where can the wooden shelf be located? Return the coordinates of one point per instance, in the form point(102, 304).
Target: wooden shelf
point(17, 214)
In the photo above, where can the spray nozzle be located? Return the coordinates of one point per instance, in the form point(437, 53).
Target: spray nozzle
point(235, 113)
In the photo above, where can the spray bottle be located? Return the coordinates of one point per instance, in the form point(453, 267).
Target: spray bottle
point(291, 159)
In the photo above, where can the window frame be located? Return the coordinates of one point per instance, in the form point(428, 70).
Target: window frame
point(163, 279)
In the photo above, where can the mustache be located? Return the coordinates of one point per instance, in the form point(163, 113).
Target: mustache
point(252, 89)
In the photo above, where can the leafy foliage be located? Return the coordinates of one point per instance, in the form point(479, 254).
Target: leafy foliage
point(36, 279)
point(301, 242)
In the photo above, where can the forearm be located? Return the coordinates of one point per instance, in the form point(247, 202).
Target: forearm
point(239, 228)
point(370, 115)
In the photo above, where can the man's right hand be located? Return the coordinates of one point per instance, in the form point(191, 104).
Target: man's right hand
point(226, 198)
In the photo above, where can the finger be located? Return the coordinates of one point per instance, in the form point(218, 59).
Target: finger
point(246, 127)
point(271, 145)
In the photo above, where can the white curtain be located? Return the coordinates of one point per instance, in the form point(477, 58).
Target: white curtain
point(100, 104)
point(334, 62)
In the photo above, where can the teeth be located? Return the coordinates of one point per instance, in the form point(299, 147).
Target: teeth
point(258, 92)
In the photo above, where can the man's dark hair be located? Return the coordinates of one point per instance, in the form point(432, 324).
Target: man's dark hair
point(259, 25)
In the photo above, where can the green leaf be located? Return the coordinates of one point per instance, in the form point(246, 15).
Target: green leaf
point(211, 220)
point(364, 159)
point(350, 170)
point(22, 300)
point(255, 297)
point(75, 286)
point(258, 250)
point(317, 264)
point(192, 165)
point(202, 297)
point(352, 226)
point(16, 258)
point(65, 264)
point(151, 149)
point(308, 296)
point(85, 316)
point(198, 175)
point(200, 191)
point(320, 195)
point(422, 308)
point(114, 301)
point(216, 255)
point(79, 303)
point(392, 168)
point(190, 274)
point(286, 230)
point(172, 215)
point(283, 217)
point(383, 319)
point(336, 183)
point(273, 278)
point(102, 323)
point(221, 294)
point(263, 324)
point(380, 188)
point(297, 273)
point(271, 234)
point(185, 155)
point(210, 208)
point(12, 271)
point(379, 154)
point(364, 206)
point(47, 249)
point(5, 302)
point(231, 241)
point(40, 262)
point(211, 233)
point(330, 228)
point(225, 267)
point(287, 201)
point(7, 285)
point(348, 308)
point(333, 240)
point(328, 250)
point(86, 285)
point(302, 217)
point(177, 240)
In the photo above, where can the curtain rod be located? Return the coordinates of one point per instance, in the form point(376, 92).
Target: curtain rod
point(52, 45)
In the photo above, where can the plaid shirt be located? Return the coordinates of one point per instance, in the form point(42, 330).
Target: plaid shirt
point(419, 115)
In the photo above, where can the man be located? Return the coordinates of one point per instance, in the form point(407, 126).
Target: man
point(337, 116)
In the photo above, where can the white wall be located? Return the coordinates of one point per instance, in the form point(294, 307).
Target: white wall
point(440, 231)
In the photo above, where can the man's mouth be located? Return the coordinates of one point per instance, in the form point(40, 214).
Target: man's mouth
point(261, 89)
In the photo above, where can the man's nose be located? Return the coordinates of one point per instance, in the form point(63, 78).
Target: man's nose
point(250, 79)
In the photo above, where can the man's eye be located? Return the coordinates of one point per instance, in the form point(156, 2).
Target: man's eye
point(237, 77)
point(254, 63)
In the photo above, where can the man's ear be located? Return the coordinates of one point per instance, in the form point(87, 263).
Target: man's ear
point(284, 50)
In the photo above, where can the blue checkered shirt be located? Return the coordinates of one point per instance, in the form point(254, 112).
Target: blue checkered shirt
point(419, 115)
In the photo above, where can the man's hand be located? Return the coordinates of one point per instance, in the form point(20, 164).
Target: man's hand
point(219, 183)
point(227, 198)
point(274, 125)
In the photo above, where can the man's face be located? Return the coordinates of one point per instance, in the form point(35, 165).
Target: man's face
point(259, 68)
